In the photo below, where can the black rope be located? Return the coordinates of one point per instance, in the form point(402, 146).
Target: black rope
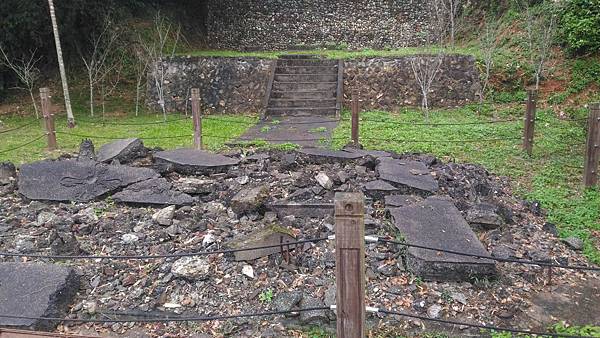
point(17, 128)
point(22, 145)
point(133, 123)
point(439, 124)
point(485, 327)
point(167, 319)
point(123, 137)
point(504, 260)
point(176, 255)
point(441, 141)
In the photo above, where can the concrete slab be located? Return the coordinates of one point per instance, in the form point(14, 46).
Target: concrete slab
point(437, 223)
point(322, 156)
point(305, 131)
point(411, 177)
point(76, 181)
point(35, 290)
point(157, 191)
point(378, 189)
point(194, 162)
point(397, 201)
point(124, 151)
point(270, 235)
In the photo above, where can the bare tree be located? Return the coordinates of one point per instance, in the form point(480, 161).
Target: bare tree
point(541, 30)
point(157, 52)
point(425, 69)
point(110, 82)
point(102, 59)
point(142, 64)
point(61, 66)
point(451, 8)
point(489, 45)
point(26, 71)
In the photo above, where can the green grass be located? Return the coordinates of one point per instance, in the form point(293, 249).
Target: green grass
point(335, 53)
point(102, 130)
point(552, 176)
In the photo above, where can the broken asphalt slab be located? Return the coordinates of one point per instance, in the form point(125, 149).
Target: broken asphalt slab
point(437, 223)
point(124, 151)
point(63, 181)
point(35, 290)
point(193, 162)
point(410, 177)
point(156, 191)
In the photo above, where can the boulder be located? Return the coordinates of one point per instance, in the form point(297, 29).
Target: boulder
point(191, 268)
point(8, 173)
point(250, 200)
point(270, 235)
point(324, 180)
point(315, 316)
point(164, 216)
point(195, 186)
point(86, 151)
point(156, 191)
point(76, 181)
point(123, 151)
point(484, 216)
point(35, 290)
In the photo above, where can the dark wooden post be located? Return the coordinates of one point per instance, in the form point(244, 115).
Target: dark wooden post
point(350, 264)
point(355, 112)
point(592, 147)
point(197, 117)
point(529, 122)
point(48, 118)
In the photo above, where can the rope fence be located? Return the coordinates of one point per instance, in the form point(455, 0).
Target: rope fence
point(368, 239)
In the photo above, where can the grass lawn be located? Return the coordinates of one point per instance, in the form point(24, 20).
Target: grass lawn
point(335, 53)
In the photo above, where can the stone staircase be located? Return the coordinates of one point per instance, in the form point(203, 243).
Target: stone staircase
point(305, 85)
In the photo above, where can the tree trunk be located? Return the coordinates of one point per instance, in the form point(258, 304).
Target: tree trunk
point(37, 115)
point(91, 97)
point(61, 65)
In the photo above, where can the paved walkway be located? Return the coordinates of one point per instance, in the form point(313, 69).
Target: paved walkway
point(305, 131)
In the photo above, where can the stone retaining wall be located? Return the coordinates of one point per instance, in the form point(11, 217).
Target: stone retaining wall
point(389, 83)
point(283, 24)
point(238, 85)
point(232, 85)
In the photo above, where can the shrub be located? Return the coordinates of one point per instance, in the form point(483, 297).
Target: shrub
point(580, 25)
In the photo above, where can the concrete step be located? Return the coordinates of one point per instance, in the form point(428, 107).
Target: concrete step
point(315, 111)
point(297, 103)
point(305, 77)
point(304, 86)
point(306, 62)
point(308, 94)
point(298, 56)
point(307, 70)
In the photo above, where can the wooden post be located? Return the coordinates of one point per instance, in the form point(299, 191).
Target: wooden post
point(350, 264)
point(355, 112)
point(592, 147)
point(529, 122)
point(197, 117)
point(48, 118)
